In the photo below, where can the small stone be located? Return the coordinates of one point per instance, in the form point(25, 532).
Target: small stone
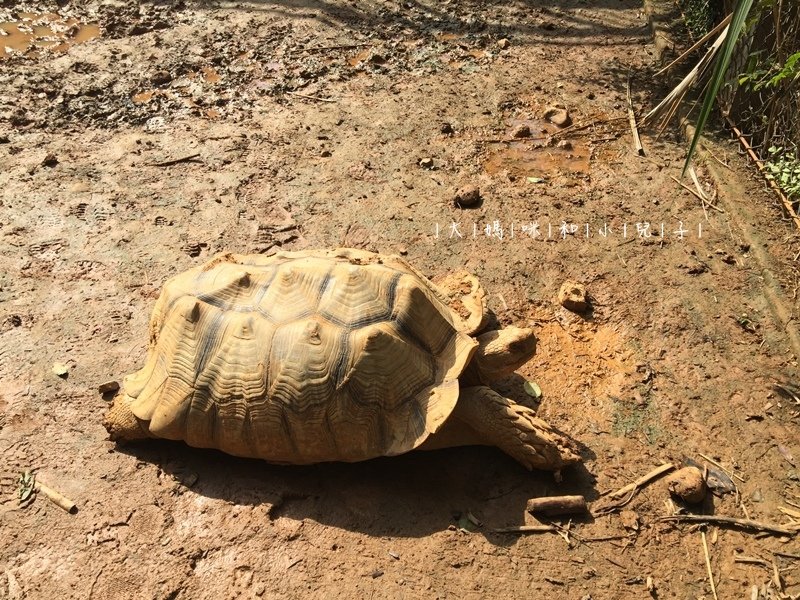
point(426, 163)
point(469, 195)
point(50, 160)
point(160, 78)
point(521, 131)
point(403, 251)
point(564, 145)
point(590, 96)
point(503, 43)
point(558, 116)
point(377, 59)
point(572, 296)
point(446, 128)
point(4, 139)
point(61, 370)
point(687, 484)
point(325, 153)
point(376, 573)
point(630, 520)
point(108, 387)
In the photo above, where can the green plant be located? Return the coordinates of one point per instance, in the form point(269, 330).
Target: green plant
point(784, 168)
point(770, 75)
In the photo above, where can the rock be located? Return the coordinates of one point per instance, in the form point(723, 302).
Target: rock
point(426, 163)
point(469, 195)
point(630, 520)
point(61, 370)
point(521, 131)
point(688, 484)
point(564, 145)
point(503, 43)
point(160, 78)
point(50, 160)
point(108, 387)
point(446, 128)
point(558, 116)
point(572, 296)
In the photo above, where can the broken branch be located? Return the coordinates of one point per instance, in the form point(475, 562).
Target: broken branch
point(732, 521)
point(557, 505)
point(55, 497)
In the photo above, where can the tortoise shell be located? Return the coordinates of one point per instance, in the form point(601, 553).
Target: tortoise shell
point(301, 357)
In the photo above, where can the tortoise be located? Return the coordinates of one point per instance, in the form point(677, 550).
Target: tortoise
point(329, 355)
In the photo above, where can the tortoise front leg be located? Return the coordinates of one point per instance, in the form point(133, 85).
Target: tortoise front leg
point(514, 428)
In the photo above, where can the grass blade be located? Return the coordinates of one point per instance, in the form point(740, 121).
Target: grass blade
point(720, 68)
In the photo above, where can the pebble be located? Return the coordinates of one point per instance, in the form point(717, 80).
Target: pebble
point(564, 145)
point(521, 131)
point(446, 128)
point(558, 116)
point(426, 163)
point(503, 43)
point(572, 296)
point(469, 195)
point(108, 387)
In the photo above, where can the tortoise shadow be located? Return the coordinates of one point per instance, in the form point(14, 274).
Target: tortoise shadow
point(412, 495)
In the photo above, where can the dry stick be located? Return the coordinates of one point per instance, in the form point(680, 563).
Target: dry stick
point(307, 97)
point(557, 505)
point(708, 565)
point(771, 182)
point(741, 523)
point(339, 47)
point(527, 529)
point(54, 497)
point(637, 141)
point(578, 127)
point(643, 480)
point(169, 163)
point(699, 43)
point(749, 560)
point(694, 193)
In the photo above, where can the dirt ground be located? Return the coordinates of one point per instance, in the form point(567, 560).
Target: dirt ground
point(149, 136)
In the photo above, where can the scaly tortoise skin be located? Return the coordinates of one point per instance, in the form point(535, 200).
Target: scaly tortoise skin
point(328, 355)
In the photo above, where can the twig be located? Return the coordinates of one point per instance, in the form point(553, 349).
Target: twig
point(787, 555)
point(557, 505)
point(740, 523)
point(338, 47)
point(169, 163)
point(56, 498)
point(307, 97)
point(643, 480)
point(631, 489)
point(580, 126)
point(527, 529)
point(637, 141)
point(749, 560)
point(708, 566)
point(694, 193)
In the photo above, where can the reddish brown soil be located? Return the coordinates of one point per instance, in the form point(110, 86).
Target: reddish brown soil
point(300, 140)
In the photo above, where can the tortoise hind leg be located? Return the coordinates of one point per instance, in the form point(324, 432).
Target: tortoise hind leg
point(514, 428)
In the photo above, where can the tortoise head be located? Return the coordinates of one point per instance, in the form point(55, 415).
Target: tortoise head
point(121, 423)
point(500, 353)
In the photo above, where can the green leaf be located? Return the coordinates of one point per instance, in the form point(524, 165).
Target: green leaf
point(720, 68)
point(532, 389)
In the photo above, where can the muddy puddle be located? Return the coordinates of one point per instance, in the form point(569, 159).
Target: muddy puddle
point(533, 156)
point(30, 33)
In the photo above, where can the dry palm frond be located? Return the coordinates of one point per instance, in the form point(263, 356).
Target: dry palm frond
point(665, 109)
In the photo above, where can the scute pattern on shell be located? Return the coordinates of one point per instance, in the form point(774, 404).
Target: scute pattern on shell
point(301, 357)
